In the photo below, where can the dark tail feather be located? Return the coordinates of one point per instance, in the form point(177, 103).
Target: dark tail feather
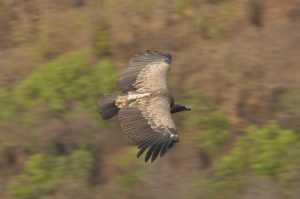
point(106, 107)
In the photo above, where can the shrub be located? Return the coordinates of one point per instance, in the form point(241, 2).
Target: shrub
point(44, 174)
point(66, 81)
point(101, 41)
point(7, 105)
point(41, 176)
point(267, 151)
point(208, 125)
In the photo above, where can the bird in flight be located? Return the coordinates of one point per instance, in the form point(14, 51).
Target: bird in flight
point(145, 104)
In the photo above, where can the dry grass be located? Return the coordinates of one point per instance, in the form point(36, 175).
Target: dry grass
point(241, 53)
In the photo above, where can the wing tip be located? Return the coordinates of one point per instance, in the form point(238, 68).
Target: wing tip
point(157, 148)
point(166, 57)
point(151, 56)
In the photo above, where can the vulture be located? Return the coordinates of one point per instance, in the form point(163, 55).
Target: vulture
point(145, 104)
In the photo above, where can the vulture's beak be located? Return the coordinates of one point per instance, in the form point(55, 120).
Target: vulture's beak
point(188, 108)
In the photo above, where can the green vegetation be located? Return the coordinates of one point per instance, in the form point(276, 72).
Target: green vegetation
point(43, 174)
point(181, 6)
point(132, 170)
point(288, 102)
point(131, 175)
point(8, 106)
point(128, 159)
point(57, 58)
point(208, 125)
point(263, 151)
point(213, 26)
point(127, 180)
point(70, 79)
point(68, 87)
point(101, 41)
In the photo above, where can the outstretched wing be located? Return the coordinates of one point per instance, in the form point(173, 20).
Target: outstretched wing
point(149, 125)
point(146, 72)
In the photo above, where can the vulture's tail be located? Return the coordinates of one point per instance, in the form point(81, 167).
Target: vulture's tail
point(107, 108)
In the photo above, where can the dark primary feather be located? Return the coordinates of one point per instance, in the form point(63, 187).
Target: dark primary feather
point(148, 57)
point(126, 81)
point(145, 120)
point(138, 129)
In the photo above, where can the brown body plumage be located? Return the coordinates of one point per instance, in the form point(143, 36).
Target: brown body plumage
point(145, 105)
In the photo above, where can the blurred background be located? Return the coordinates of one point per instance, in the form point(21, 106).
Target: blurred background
point(235, 62)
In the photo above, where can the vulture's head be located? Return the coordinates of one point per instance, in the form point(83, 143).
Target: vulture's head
point(179, 107)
